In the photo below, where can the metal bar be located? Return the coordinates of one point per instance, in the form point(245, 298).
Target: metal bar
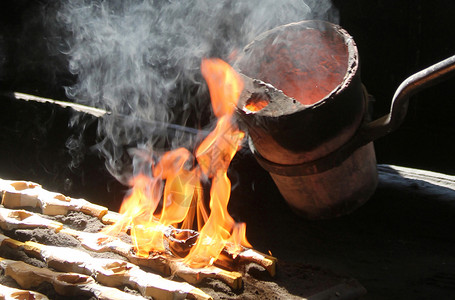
point(101, 113)
point(413, 84)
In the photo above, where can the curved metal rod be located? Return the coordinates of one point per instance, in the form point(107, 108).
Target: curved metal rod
point(413, 84)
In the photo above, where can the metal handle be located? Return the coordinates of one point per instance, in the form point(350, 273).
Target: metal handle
point(413, 84)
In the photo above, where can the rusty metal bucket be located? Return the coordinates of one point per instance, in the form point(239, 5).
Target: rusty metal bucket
point(305, 110)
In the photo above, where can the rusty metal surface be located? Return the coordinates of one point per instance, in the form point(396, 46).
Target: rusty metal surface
point(303, 132)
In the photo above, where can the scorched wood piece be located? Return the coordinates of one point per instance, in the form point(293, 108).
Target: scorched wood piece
point(178, 248)
point(19, 194)
point(186, 238)
point(110, 218)
point(110, 272)
point(8, 293)
point(15, 219)
point(160, 262)
point(99, 242)
point(181, 246)
point(264, 260)
point(30, 194)
point(66, 284)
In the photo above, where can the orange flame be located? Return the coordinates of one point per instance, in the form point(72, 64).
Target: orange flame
point(178, 184)
point(256, 104)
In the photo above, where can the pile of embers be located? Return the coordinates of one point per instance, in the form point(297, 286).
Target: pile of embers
point(51, 247)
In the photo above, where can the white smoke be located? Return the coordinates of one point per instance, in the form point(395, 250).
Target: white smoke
point(140, 60)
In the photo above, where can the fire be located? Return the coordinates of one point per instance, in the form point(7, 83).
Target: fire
point(256, 103)
point(177, 180)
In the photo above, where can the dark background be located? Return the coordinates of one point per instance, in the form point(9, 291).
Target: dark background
point(395, 39)
point(380, 244)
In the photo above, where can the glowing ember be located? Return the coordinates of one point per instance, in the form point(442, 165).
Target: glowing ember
point(178, 183)
point(256, 103)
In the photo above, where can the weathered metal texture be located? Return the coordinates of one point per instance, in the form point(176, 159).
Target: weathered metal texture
point(322, 116)
point(312, 124)
point(334, 192)
point(310, 129)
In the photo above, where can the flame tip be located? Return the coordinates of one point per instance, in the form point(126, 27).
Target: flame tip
point(152, 206)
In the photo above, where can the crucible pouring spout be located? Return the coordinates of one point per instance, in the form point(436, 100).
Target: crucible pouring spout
point(306, 112)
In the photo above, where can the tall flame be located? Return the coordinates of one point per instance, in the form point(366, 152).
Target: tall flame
point(178, 184)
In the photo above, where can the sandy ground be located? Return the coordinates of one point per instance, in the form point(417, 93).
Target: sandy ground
point(293, 281)
point(399, 245)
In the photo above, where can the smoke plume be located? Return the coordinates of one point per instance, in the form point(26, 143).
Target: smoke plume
point(140, 60)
